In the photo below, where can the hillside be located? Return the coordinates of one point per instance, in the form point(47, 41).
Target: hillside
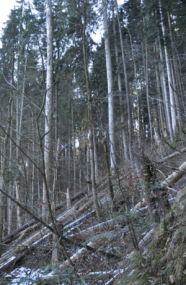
point(121, 247)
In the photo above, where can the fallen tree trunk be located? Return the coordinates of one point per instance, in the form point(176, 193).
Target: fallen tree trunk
point(65, 264)
point(9, 238)
point(108, 225)
point(34, 239)
point(78, 195)
point(176, 153)
point(175, 176)
point(75, 257)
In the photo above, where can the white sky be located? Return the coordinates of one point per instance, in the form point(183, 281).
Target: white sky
point(5, 8)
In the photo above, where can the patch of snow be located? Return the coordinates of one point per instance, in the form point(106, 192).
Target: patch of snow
point(131, 272)
point(143, 234)
point(24, 276)
point(105, 199)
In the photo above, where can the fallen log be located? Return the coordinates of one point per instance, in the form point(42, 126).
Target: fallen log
point(108, 225)
point(9, 238)
point(78, 195)
point(42, 234)
point(175, 176)
point(75, 257)
point(140, 205)
point(65, 264)
point(174, 154)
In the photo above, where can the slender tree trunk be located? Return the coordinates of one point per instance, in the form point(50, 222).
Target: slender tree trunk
point(136, 90)
point(74, 147)
point(175, 74)
point(88, 167)
point(69, 158)
point(162, 123)
point(48, 105)
point(147, 91)
point(171, 94)
point(110, 87)
point(90, 114)
point(130, 128)
point(126, 156)
point(164, 91)
point(95, 156)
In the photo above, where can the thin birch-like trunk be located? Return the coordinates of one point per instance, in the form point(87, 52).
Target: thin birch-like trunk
point(165, 95)
point(110, 87)
point(48, 106)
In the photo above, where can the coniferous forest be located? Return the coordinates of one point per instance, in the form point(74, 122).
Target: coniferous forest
point(92, 142)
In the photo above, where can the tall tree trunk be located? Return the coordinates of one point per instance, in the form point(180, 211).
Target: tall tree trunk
point(171, 94)
point(147, 90)
point(95, 156)
point(130, 128)
point(4, 154)
point(175, 75)
point(88, 167)
point(90, 113)
point(165, 95)
point(48, 105)
point(136, 90)
point(74, 147)
point(110, 88)
point(125, 149)
point(19, 118)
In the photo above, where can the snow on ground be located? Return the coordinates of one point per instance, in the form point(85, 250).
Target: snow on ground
point(24, 276)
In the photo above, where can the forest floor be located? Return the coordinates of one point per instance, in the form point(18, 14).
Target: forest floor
point(111, 256)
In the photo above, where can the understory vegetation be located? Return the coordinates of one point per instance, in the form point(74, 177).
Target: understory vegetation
point(92, 143)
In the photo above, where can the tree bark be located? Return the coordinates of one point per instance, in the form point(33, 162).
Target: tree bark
point(110, 87)
point(171, 94)
point(90, 114)
point(125, 148)
point(165, 96)
point(48, 106)
point(126, 88)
